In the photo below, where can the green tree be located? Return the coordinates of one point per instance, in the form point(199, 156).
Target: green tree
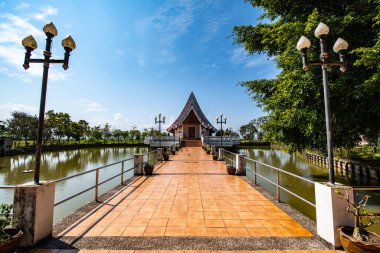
point(106, 132)
point(248, 131)
point(22, 126)
point(96, 133)
point(294, 99)
point(125, 135)
point(117, 133)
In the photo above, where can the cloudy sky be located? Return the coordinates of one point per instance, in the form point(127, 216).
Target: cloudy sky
point(134, 59)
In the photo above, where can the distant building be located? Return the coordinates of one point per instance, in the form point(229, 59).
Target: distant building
point(192, 124)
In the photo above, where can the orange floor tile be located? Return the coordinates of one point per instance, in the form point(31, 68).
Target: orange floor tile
point(190, 195)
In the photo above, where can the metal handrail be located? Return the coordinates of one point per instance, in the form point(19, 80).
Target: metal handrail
point(90, 188)
point(89, 171)
point(365, 188)
point(277, 183)
point(7, 186)
point(282, 171)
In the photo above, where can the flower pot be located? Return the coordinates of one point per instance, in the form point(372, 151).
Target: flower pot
point(208, 152)
point(173, 152)
point(214, 157)
point(176, 148)
point(166, 157)
point(353, 245)
point(10, 245)
point(231, 170)
point(148, 169)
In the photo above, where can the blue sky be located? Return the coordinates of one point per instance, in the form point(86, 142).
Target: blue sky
point(134, 59)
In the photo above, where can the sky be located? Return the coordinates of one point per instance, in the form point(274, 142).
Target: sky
point(134, 59)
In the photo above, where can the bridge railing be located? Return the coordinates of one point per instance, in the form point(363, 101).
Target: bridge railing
point(227, 141)
point(103, 179)
point(275, 180)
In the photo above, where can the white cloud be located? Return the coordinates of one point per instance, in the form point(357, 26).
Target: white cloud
point(12, 30)
point(240, 56)
point(22, 5)
point(257, 60)
point(90, 106)
point(45, 12)
point(6, 109)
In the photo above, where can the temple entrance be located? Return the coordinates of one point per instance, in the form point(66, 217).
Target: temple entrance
point(191, 132)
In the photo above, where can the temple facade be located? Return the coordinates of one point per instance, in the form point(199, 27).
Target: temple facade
point(191, 124)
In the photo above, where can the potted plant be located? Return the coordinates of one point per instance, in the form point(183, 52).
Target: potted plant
point(208, 151)
point(215, 156)
point(148, 168)
point(166, 157)
point(357, 239)
point(173, 151)
point(231, 170)
point(9, 237)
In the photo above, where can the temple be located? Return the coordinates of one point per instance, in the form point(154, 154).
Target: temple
point(192, 124)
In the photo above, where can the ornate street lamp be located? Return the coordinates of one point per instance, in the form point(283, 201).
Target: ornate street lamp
point(340, 47)
point(30, 44)
point(159, 121)
point(221, 122)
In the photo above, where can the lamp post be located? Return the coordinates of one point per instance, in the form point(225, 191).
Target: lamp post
point(221, 122)
point(30, 44)
point(159, 121)
point(340, 47)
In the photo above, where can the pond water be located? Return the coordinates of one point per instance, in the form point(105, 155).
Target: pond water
point(59, 164)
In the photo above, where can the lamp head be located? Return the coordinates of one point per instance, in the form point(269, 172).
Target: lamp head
point(340, 45)
point(69, 43)
point(303, 43)
point(29, 42)
point(321, 30)
point(50, 29)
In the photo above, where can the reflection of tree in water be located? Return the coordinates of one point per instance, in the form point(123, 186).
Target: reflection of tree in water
point(60, 164)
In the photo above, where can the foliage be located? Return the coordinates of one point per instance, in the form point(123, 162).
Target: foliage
point(22, 126)
point(227, 132)
point(5, 220)
point(294, 99)
point(363, 219)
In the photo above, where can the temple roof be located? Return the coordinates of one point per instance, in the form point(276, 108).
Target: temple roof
point(192, 108)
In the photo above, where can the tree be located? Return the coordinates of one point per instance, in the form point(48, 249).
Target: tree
point(294, 99)
point(248, 131)
point(125, 135)
point(3, 128)
point(106, 132)
point(117, 133)
point(22, 126)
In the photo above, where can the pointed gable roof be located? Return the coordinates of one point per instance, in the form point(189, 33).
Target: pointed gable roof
point(192, 106)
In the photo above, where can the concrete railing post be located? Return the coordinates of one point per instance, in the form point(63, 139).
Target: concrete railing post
point(212, 150)
point(240, 165)
point(221, 154)
point(160, 154)
point(33, 211)
point(138, 164)
point(331, 211)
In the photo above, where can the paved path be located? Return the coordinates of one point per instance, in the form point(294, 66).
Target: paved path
point(189, 204)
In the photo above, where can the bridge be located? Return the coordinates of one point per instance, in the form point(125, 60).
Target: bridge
point(190, 204)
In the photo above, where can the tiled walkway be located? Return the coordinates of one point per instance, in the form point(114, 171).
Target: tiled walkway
point(191, 196)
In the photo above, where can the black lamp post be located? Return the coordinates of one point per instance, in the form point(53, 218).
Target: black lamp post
point(30, 44)
point(159, 121)
point(340, 47)
point(221, 122)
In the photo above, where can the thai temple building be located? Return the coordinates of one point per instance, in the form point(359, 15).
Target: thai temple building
point(191, 124)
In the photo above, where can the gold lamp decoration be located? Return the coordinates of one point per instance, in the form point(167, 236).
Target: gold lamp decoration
point(68, 42)
point(50, 28)
point(29, 42)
